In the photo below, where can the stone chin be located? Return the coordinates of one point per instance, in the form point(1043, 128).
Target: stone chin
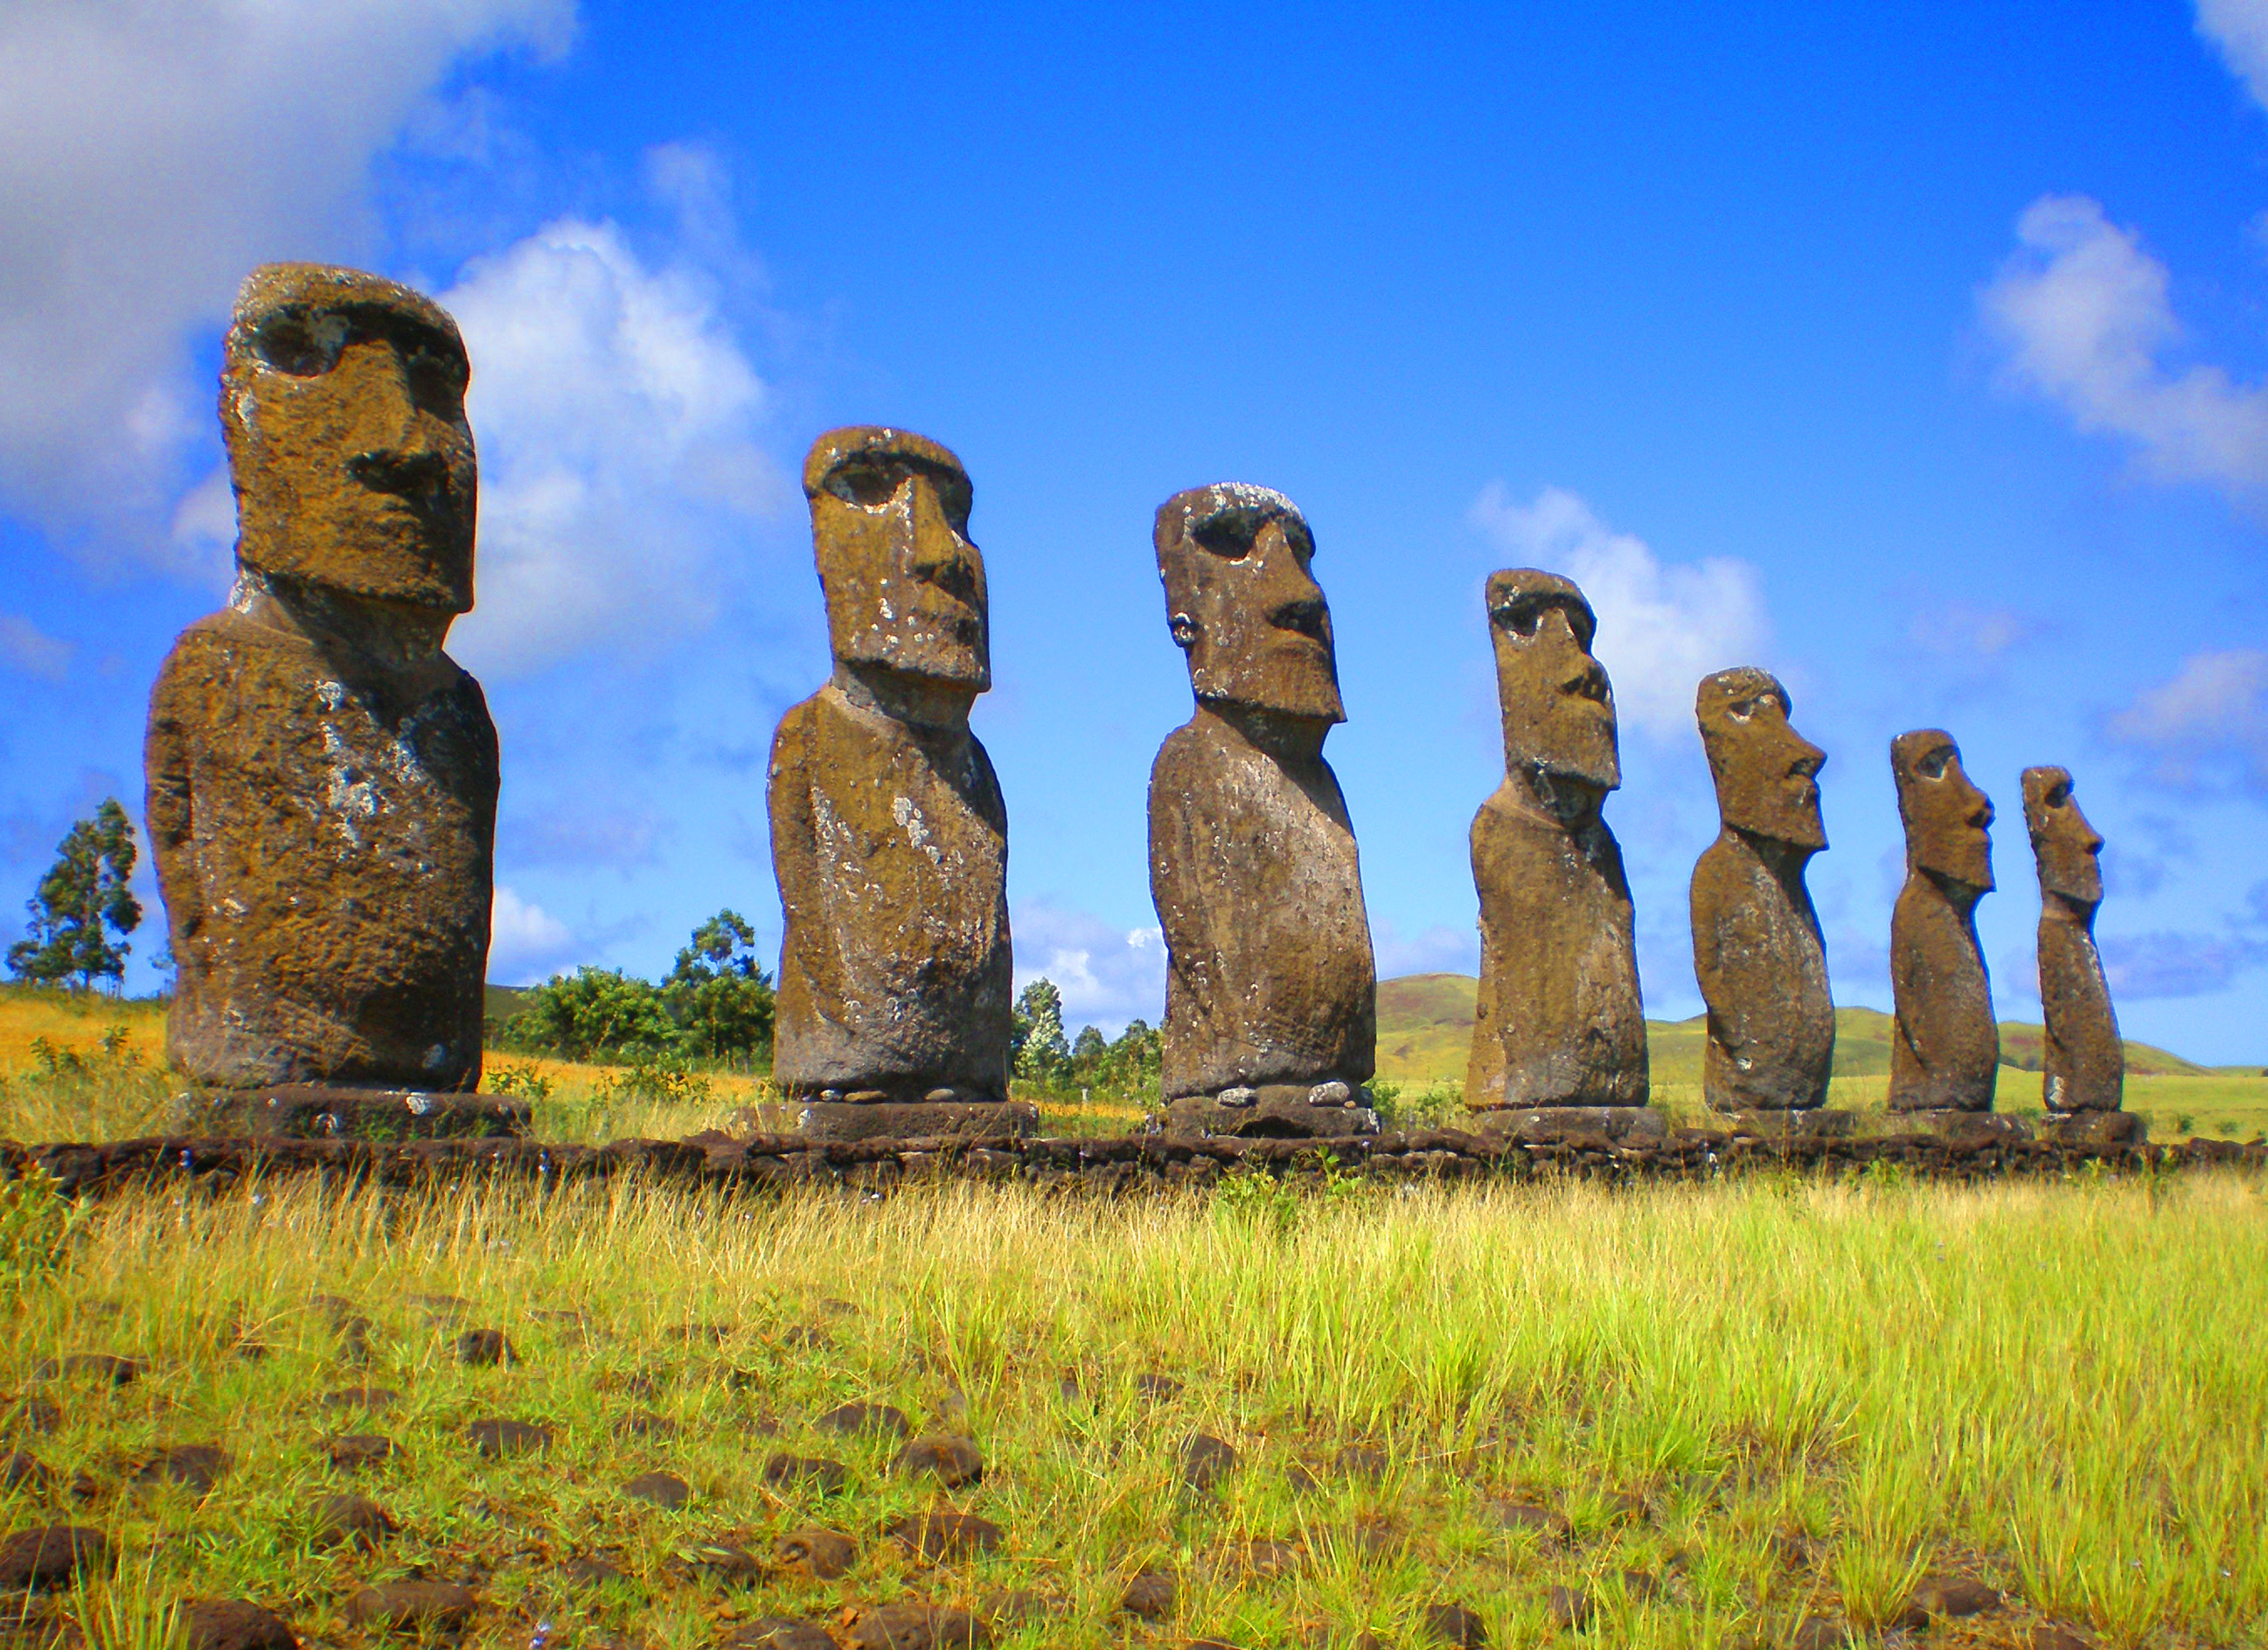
point(2070, 872)
point(1298, 684)
point(1573, 746)
point(376, 560)
point(1790, 819)
point(1967, 861)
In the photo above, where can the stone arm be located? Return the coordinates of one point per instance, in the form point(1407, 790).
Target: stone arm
point(169, 811)
point(1913, 968)
point(787, 797)
point(1727, 927)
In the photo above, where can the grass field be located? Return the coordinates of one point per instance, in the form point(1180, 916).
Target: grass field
point(1751, 1406)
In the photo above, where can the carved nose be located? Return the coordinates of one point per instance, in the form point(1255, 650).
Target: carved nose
point(941, 554)
point(1307, 617)
point(1588, 682)
point(408, 473)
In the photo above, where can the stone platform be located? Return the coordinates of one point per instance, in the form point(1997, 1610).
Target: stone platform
point(319, 1111)
point(1275, 1111)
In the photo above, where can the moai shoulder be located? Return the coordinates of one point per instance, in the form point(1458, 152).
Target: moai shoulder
point(1757, 952)
point(2084, 1071)
point(1945, 1052)
point(1559, 1030)
point(889, 837)
point(322, 776)
point(1270, 990)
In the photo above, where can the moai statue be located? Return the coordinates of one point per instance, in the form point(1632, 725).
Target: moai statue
point(322, 778)
point(2085, 1079)
point(1559, 1034)
point(889, 837)
point(1756, 946)
point(1946, 1051)
point(1271, 1009)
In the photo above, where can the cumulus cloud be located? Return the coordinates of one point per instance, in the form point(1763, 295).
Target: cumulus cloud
point(2240, 29)
point(2207, 724)
point(1107, 975)
point(2082, 314)
point(2165, 964)
point(526, 942)
point(27, 648)
point(151, 152)
point(616, 416)
point(1662, 625)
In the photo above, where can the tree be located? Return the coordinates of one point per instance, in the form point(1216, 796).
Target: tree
point(595, 1010)
point(718, 994)
point(1036, 1034)
point(82, 902)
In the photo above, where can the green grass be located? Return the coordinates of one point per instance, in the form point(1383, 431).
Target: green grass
point(2055, 1387)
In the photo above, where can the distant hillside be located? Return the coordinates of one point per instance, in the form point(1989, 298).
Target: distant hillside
point(1426, 1029)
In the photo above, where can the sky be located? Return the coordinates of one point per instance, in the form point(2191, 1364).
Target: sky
point(1918, 354)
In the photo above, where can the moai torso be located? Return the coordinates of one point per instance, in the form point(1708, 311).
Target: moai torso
point(2085, 1068)
point(890, 838)
point(1272, 994)
point(1269, 977)
point(1559, 1021)
point(322, 778)
point(1944, 1054)
point(890, 841)
point(1758, 953)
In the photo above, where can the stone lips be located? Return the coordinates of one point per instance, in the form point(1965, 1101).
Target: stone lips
point(889, 835)
point(1944, 1054)
point(1271, 985)
point(1557, 1022)
point(1757, 951)
point(2085, 1067)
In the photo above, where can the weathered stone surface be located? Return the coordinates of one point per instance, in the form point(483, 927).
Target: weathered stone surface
point(323, 1111)
point(2086, 1066)
point(53, 1555)
point(1270, 980)
point(973, 1120)
point(1757, 946)
point(1278, 1109)
point(2094, 1130)
point(1557, 1022)
point(235, 1623)
point(413, 1607)
point(1946, 1054)
point(1545, 1125)
point(889, 837)
point(322, 778)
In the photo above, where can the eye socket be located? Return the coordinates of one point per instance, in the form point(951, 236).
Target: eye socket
point(297, 345)
point(438, 377)
point(1229, 535)
point(869, 486)
point(1934, 765)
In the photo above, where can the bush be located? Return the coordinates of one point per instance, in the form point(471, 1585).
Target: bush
point(715, 1005)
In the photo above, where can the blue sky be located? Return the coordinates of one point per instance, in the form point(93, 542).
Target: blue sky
point(1914, 353)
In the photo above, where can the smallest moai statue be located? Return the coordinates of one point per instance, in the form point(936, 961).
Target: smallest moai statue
point(2084, 1078)
point(1945, 1055)
point(1757, 946)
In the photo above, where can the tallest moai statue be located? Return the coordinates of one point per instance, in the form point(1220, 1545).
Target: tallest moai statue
point(322, 778)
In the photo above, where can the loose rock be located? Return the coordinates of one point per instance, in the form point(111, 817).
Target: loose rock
point(954, 1460)
point(235, 1623)
point(2054, 1635)
point(413, 1606)
point(821, 1554)
point(495, 1439)
point(51, 1556)
point(482, 1349)
point(1263, 1556)
point(1454, 1625)
point(31, 1413)
point(1568, 1607)
point(648, 1426)
point(1206, 1461)
point(910, 1627)
point(1948, 1597)
point(20, 1469)
point(1360, 1461)
point(351, 1521)
point(780, 1632)
point(1152, 1594)
point(1158, 1389)
point(851, 1418)
point(1820, 1632)
point(725, 1563)
point(665, 1490)
point(940, 1534)
point(103, 1368)
point(1554, 1528)
point(356, 1451)
point(828, 1477)
point(195, 1467)
point(588, 1572)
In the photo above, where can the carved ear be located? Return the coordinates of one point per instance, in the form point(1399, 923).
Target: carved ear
point(1185, 631)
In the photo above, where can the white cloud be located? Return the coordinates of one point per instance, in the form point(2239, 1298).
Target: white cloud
point(1437, 950)
point(1662, 625)
point(2209, 723)
point(2082, 314)
point(526, 942)
point(1107, 975)
point(151, 152)
point(616, 416)
point(27, 648)
point(2240, 29)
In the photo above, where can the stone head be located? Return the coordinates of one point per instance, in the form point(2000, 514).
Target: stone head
point(343, 408)
point(1767, 774)
point(2064, 844)
point(1242, 604)
point(1948, 821)
point(1558, 707)
point(905, 588)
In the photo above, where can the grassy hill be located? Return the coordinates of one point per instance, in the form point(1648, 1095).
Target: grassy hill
point(1425, 1027)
